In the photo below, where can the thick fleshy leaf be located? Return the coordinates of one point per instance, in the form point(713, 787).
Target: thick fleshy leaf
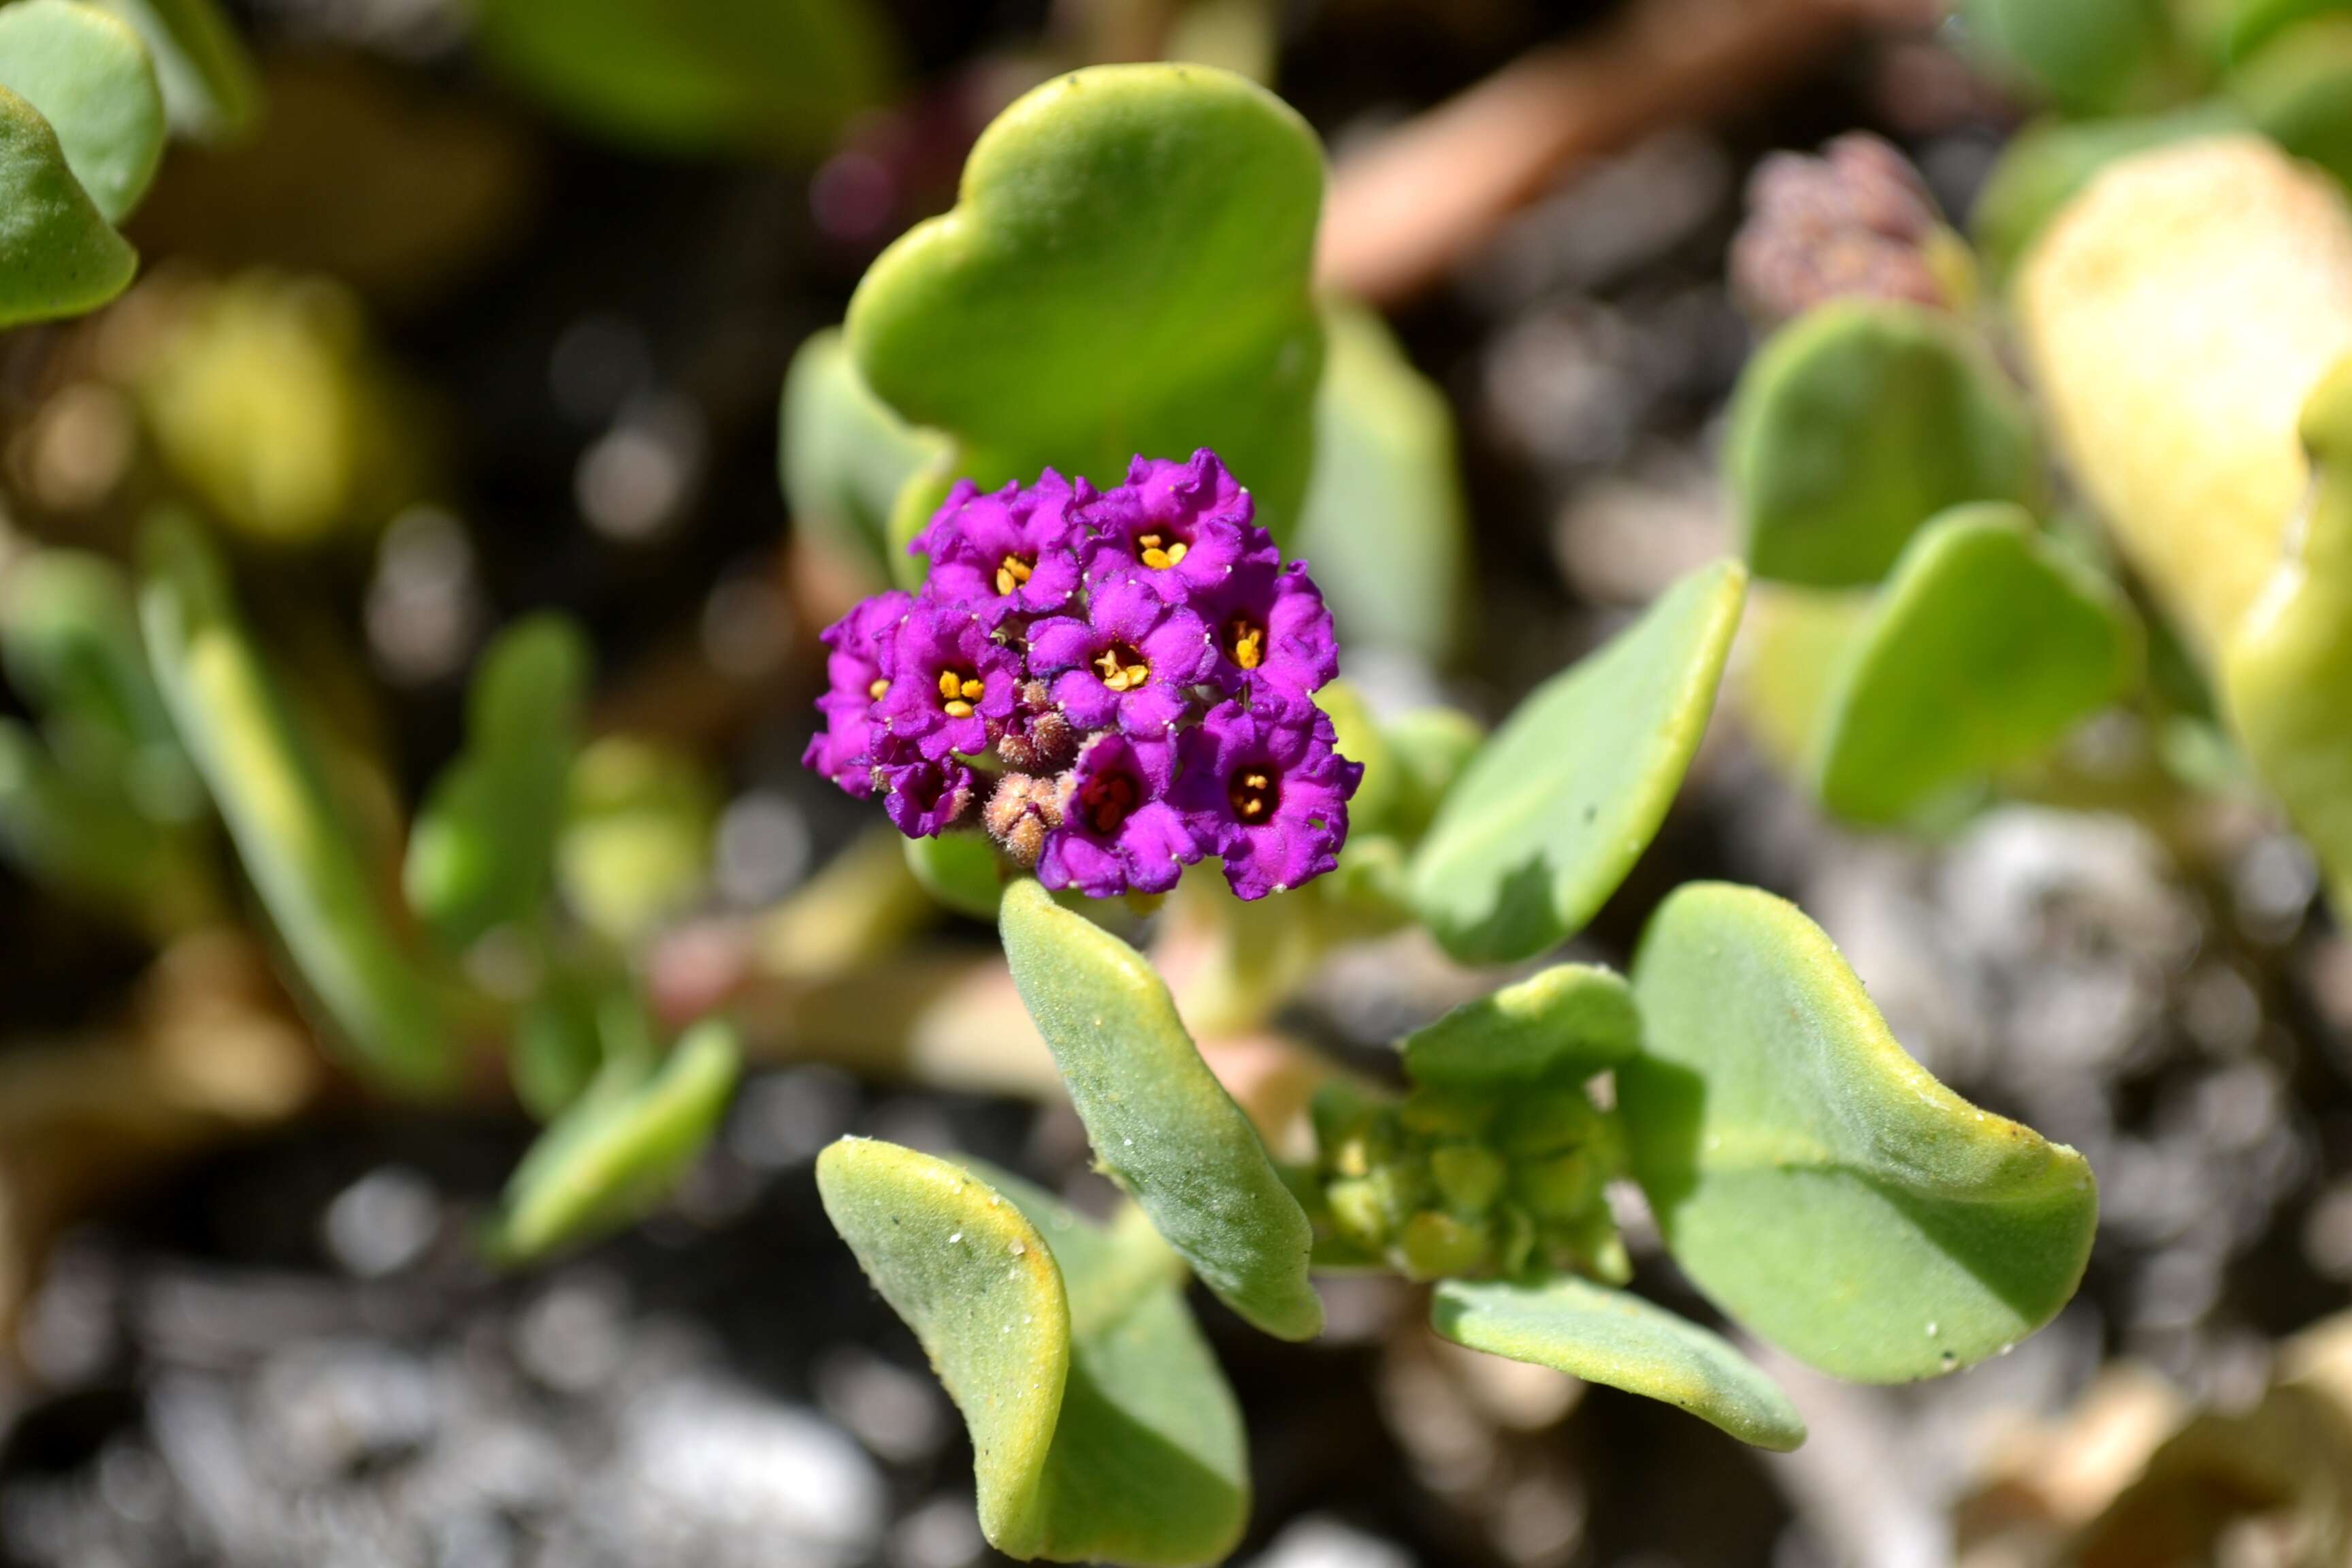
point(265, 779)
point(1601, 1335)
point(2042, 167)
point(59, 256)
point(1126, 271)
point(1985, 647)
point(621, 1146)
point(1554, 810)
point(846, 456)
point(90, 76)
point(91, 845)
point(2254, 23)
point(2090, 57)
point(70, 636)
point(1159, 1120)
point(1569, 1021)
point(211, 90)
point(961, 870)
point(1857, 423)
point(1813, 1181)
point(1384, 527)
point(2298, 91)
point(755, 76)
point(484, 841)
point(1101, 1428)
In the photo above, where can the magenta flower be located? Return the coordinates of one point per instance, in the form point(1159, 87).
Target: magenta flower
point(1011, 551)
point(923, 797)
point(1133, 660)
point(1268, 792)
point(1179, 527)
point(1117, 830)
point(857, 648)
point(1274, 640)
point(948, 679)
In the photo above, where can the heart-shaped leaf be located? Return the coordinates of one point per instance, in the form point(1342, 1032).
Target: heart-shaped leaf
point(1554, 810)
point(1101, 1428)
point(1159, 1120)
point(59, 256)
point(1569, 1021)
point(621, 1146)
point(1607, 1336)
point(757, 75)
point(265, 779)
point(484, 841)
point(1986, 645)
point(1818, 1184)
point(1384, 526)
point(846, 456)
point(90, 76)
point(211, 90)
point(1126, 271)
point(1857, 423)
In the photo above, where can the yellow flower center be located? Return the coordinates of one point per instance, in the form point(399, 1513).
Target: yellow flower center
point(959, 692)
point(1121, 667)
point(1246, 642)
point(879, 688)
point(1252, 794)
point(1011, 573)
point(1158, 551)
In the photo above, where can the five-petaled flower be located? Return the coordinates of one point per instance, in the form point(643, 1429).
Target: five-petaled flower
point(1268, 792)
point(1131, 660)
point(1009, 552)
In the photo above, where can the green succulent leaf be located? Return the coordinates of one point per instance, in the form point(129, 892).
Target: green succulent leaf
point(1569, 1021)
point(70, 638)
point(635, 847)
point(211, 92)
point(2297, 89)
point(1608, 1336)
point(59, 256)
point(2254, 23)
point(1384, 525)
point(1792, 644)
point(265, 777)
point(2045, 165)
point(1101, 1428)
point(961, 870)
point(846, 456)
point(91, 845)
point(1986, 647)
point(2091, 57)
point(89, 78)
point(1126, 271)
point(484, 840)
point(557, 1043)
point(621, 1147)
point(1814, 1182)
point(1159, 1120)
point(747, 76)
point(1857, 423)
point(1553, 811)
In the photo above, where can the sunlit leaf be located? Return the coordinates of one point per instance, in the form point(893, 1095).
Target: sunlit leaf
point(1159, 1120)
point(622, 1146)
point(846, 456)
point(211, 90)
point(1814, 1182)
point(1607, 1336)
point(1126, 271)
point(90, 76)
point(264, 776)
point(59, 256)
point(1571, 1021)
point(1101, 1428)
point(485, 838)
point(1857, 423)
point(2042, 166)
point(1986, 647)
point(1554, 810)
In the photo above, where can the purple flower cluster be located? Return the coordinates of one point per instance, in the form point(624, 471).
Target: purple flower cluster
point(1116, 684)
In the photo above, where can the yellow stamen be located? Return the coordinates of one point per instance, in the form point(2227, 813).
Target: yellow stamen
point(958, 708)
point(1249, 644)
point(973, 691)
point(951, 684)
point(1122, 673)
point(876, 690)
point(1012, 572)
point(1157, 552)
point(1249, 793)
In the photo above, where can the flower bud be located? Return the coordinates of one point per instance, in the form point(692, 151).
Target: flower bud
point(1020, 812)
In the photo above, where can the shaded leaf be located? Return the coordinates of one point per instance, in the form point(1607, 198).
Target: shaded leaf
point(1984, 649)
point(1571, 1021)
point(59, 256)
point(1857, 423)
point(1554, 810)
point(1601, 1335)
point(2299, 91)
point(211, 90)
point(2254, 23)
point(1159, 1120)
point(1814, 1182)
point(90, 76)
point(2091, 57)
point(91, 845)
point(1126, 270)
point(846, 456)
point(961, 870)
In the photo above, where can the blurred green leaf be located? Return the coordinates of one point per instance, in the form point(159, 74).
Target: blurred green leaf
point(1813, 1181)
point(622, 1146)
point(1601, 1335)
point(1383, 525)
point(485, 838)
point(1986, 647)
point(211, 90)
point(89, 78)
point(2252, 24)
point(846, 456)
point(91, 845)
point(1101, 1428)
point(1554, 810)
point(1569, 1021)
point(1126, 271)
point(635, 849)
point(2042, 167)
point(1791, 646)
point(1855, 423)
point(961, 870)
point(1159, 1120)
point(265, 777)
point(2090, 57)
point(2297, 89)
point(59, 256)
point(556, 1046)
point(1429, 748)
point(70, 638)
